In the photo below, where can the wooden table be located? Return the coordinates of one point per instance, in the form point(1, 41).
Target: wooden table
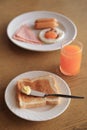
point(15, 60)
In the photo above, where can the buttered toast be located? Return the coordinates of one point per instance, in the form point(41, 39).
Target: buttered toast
point(46, 84)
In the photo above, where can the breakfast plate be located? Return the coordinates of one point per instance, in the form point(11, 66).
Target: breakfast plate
point(41, 113)
point(65, 24)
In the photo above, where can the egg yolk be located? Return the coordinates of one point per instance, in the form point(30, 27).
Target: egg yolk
point(51, 34)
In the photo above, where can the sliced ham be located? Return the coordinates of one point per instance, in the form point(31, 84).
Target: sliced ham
point(25, 34)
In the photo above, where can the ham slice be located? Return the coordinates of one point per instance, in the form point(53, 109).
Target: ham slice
point(25, 34)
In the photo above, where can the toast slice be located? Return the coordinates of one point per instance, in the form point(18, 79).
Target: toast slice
point(46, 84)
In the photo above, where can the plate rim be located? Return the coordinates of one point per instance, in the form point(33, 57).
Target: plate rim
point(41, 73)
point(36, 49)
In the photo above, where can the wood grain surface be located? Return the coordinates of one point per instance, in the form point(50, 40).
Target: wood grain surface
point(15, 60)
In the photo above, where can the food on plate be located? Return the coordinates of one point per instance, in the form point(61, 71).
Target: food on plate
point(25, 34)
point(48, 33)
point(46, 20)
point(46, 84)
point(26, 90)
point(51, 35)
point(46, 23)
point(43, 25)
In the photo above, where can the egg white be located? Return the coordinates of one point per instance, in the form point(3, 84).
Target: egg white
point(50, 40)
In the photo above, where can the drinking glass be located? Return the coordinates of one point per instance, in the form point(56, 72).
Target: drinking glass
point(70, 58)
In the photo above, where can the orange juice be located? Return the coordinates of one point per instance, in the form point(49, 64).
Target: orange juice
point(70, 59)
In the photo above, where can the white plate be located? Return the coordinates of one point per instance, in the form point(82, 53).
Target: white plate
point(65, 24)
point(41, 113)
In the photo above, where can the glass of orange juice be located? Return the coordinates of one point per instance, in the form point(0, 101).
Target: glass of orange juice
point(70, 58)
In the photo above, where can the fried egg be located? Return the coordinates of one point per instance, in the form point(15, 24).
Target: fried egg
point(59, 32)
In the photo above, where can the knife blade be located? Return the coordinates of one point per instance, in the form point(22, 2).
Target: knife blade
point(41, 94)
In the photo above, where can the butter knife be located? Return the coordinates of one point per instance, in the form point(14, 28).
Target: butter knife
point(41, 94)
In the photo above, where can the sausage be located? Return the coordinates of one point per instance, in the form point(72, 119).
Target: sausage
point(46, 20)
point(42, 25)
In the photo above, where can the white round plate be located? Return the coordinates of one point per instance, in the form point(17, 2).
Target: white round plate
point(65, 24)
point(42, 113)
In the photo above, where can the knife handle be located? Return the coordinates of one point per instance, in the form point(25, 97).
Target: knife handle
point(64, 96)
